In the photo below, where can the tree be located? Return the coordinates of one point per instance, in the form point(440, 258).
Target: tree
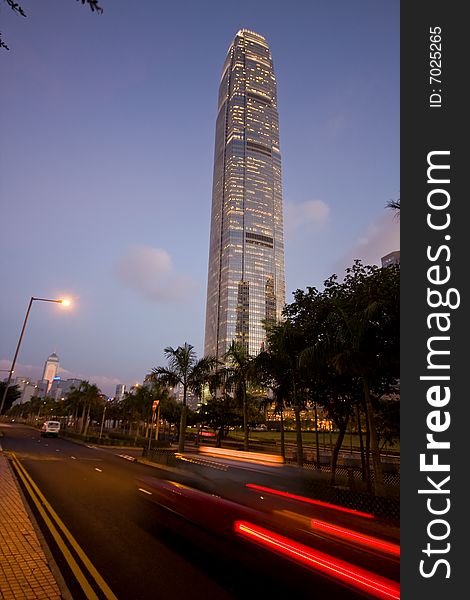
point(394, 205)
point(17, 8)
point(366, 342)
point(13, 394)
point(137, 407)
point(205, 375)
point(186, 370)
point(73, 402)
point(388, 422)
point(350, 333)
point(239, 373)
point(87, 398)
point(337, 394)
point(158, 393)
point(219, 413)
point(279, 366)
point(308, 321)
point(334, 392)
point(171, 412)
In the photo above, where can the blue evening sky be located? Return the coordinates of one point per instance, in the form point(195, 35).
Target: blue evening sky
point(107, 134)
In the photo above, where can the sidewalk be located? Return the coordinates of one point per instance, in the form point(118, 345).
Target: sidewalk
point(25, 571)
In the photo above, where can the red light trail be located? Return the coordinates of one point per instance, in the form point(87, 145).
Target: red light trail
point(350, 511)
point(357, 577)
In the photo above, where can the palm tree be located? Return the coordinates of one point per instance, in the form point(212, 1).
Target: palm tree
point(287, 343)
point(367, 338)
point(73, 402)
point(273, 365)
point(205, 374)
point(91, 397)
point(137, 406)
point(186, 370)
point(395, 206)
point(240, 372)
point(86, 397)
point(354, 357)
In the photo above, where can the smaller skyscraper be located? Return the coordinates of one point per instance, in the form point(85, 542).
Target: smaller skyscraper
point(61, 388)
point(392, 258)
point(42, 388)
point(50, 369)
point(26, 388)
point(120, 391)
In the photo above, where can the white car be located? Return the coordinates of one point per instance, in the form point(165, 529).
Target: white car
point(50, 428)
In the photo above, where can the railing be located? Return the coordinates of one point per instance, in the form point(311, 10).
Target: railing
point(348, 490)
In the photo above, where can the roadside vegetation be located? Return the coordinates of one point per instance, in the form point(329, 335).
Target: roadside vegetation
point(334, 360)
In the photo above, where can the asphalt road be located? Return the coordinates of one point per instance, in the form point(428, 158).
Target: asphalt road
point(140, 550)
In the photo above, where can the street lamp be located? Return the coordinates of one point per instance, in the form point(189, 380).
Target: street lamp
point(62, 301)
point(102, 421)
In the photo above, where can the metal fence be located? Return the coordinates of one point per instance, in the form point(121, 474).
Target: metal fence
point(382, 507)
point(348, 491)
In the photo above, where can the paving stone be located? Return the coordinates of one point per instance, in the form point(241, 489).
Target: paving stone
point(24, 570)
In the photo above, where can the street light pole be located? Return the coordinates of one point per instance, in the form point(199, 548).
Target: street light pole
point(157, 428)
point(102, 421)
point(12, 368)
point(150, 430)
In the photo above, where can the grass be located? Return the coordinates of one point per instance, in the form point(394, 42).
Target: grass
point(308, 438)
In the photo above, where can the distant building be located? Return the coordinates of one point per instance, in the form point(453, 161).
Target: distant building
point(392, 258)
point(21, 382)
point(192, 401)
point(50, 386)
point(60, 387)
point(133, 389)
point(29, 391)
point(42, 388)
point(120, 391)
point(26, 388)
point(50, 370)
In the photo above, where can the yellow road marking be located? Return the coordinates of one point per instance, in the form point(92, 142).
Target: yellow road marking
point(83, 557)
point(90, 594)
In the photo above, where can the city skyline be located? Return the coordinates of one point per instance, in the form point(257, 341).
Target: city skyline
point(246, 284)
point(107, 164)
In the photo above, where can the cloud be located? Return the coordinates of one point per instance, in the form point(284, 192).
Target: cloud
point(149, 272)
point(27, 371)
point(311, 214)
point(381, 237)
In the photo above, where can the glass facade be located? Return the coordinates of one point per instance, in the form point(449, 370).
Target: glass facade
point(246, 255)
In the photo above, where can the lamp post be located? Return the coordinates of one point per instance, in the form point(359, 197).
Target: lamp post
point(157, 428)
point(12, 368)
point(150, 430)
point(102, 421)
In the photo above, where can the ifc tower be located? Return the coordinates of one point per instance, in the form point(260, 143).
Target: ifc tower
point(246, 284)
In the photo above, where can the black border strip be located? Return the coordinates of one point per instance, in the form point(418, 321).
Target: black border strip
point(431, 124)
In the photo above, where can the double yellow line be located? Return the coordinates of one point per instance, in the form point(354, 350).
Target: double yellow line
point(54, 524)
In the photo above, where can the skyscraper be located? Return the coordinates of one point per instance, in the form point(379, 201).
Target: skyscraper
point(392, 258)
point(246, 255)
point(51, 367)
